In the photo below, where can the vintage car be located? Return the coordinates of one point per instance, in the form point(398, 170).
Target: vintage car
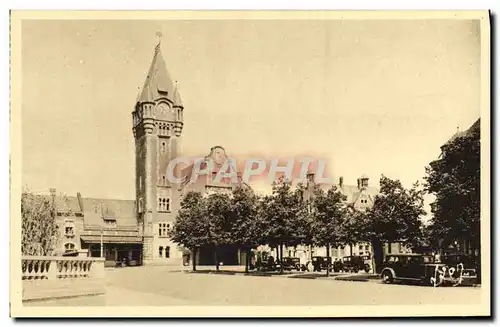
point(423, 269)
point(471, 268)
point(356, 263)
point(291, 264)
point(320, 263)
point(267, 264)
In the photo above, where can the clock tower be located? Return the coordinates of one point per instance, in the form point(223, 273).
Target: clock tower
point(157, 127)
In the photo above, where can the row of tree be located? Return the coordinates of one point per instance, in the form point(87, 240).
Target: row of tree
point(287, 217)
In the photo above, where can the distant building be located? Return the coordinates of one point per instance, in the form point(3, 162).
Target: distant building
point(83, 221)
point(360, 197)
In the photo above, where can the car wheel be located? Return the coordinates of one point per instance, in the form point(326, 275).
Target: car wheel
point(387, 277)
point(355, 270)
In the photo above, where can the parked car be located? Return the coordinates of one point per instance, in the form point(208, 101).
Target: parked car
point(423, 268)
point(290, 263)
point(355, 263)
point(320, 263)
point(337, 265)
point(268, 264)
point(469, 264)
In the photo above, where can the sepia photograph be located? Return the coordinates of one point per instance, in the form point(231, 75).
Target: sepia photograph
point(250, 164)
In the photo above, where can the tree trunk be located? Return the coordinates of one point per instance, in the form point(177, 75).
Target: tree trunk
point(216, 259)
point(194, 259)
point(327, 259)
point(281, 258)
point(247, 259)
point(350, 250)
point(378, 254)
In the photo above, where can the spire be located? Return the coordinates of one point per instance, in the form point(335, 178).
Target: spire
point(158, 82)
point(177, 97)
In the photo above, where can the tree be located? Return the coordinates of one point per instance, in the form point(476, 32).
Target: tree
point(455, 180)
point(283, 216)
point(190, 228)
point(394, 217)
point(245, 227)
point(328, 212)
point(218, 213)
point(40, 231)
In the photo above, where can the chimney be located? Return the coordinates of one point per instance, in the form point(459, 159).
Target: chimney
point(310, 179)
point(341, 181)
point(364, 181)
point(80, 201)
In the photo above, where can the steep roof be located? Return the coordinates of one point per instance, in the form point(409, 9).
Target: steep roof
point(177, 97)
point(123, 211)
point(158, 82)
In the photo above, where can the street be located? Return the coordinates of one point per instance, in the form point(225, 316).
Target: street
point(160, 286)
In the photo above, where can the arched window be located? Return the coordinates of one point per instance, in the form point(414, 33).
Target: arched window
point(160, 251)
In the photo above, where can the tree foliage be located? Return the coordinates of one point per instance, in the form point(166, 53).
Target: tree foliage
point(328, 213)
point(395, 217)
point(40, 231)
point(455, 181)
point(191, 225)
point(396, 213)
point(283, 215)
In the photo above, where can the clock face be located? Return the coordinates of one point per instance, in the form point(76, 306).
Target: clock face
point(162, 109)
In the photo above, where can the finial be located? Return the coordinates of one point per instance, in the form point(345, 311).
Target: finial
point(159, 35)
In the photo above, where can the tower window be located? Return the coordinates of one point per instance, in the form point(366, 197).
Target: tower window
point(163, 204)
point(163, 229)
point(163, 180)
point(140, 206)
point(167, 252)
point(160, 251)
point(163, 147)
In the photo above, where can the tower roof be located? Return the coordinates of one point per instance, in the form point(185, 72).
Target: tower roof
point(177, 97)
point(158, 82)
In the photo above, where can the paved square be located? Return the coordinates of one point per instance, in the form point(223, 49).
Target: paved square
point(160, 286)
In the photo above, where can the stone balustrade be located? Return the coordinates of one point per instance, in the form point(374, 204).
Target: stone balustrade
point(52, 277)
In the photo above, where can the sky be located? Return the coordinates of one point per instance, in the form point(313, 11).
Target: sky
point(370, 96)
